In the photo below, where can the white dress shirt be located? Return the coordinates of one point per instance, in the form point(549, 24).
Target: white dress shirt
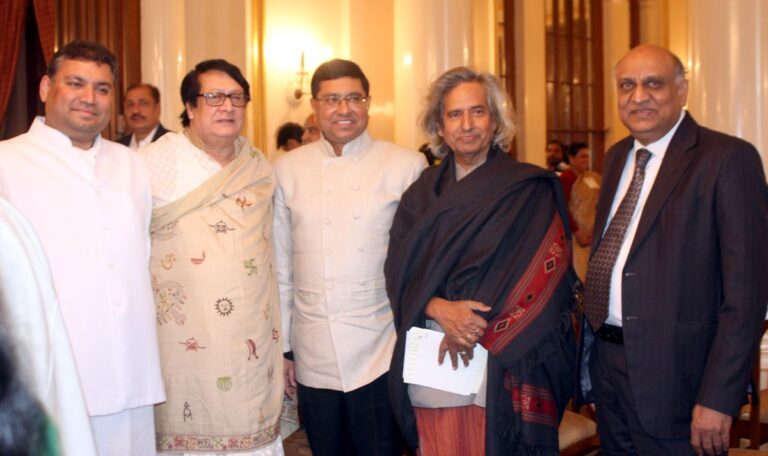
point(135, 145)
point(332, 220)
point(91, 210)
point(657, 149)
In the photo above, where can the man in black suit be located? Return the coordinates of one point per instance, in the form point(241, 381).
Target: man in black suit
point(141, 110)
point(678, 278)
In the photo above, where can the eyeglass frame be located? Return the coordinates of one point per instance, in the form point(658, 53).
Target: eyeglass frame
point(210, 102)
point(334, 100)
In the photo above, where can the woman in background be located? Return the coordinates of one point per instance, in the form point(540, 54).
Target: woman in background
point(581, 187)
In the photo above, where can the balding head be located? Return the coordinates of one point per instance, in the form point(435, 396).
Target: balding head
point(652, 91)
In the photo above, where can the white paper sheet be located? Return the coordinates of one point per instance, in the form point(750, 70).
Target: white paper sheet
point(422, 347)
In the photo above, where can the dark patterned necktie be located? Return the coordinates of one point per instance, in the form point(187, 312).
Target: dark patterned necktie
point(598, 287)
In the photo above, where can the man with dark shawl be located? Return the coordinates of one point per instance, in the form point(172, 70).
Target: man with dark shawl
point(480, 250)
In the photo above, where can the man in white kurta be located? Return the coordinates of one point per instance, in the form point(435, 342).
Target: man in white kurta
point(89, 201)
point(334, 205)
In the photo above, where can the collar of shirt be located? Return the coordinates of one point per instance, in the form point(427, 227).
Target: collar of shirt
point(461, 173)
point(658, 149)
point(355, 147)
point(147, 139)
point(81, 160)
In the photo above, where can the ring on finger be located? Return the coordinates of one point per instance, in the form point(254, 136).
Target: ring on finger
point(475, 332)
point(462, 353)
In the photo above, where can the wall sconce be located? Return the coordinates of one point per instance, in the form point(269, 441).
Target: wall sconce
point(295, 90)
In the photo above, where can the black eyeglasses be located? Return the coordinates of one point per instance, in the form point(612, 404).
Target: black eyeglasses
point(237, 99)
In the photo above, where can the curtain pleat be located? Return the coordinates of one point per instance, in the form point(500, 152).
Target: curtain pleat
point(12, 15)
point(46, 26)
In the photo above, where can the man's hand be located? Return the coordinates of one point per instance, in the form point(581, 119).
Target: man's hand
point(289, 374)
point(455, 353)
point(461, 324)
point(710, 431)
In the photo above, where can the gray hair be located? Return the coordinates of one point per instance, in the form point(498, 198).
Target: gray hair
point(502, 111)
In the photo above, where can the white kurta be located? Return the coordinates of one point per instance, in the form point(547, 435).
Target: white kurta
point(91, 210)
point(32, 316)
point(332, 220)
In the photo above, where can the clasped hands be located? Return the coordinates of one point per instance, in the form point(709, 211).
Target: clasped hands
point(462, 326)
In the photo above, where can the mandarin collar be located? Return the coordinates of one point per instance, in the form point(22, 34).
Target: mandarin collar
point(56, 138)
point(355, 147)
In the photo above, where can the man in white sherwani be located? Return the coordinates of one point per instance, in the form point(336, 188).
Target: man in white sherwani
point(334, 204)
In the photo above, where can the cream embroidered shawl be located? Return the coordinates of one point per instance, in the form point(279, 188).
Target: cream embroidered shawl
point(217, 312)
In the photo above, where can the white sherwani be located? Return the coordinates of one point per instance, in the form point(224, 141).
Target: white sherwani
point(332, 220)
point(91, 210)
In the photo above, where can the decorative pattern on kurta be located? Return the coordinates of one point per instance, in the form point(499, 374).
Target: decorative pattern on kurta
point(217, 315)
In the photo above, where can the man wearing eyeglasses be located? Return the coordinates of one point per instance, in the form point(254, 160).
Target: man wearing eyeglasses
point(141, 109)
point(218, 318)
point(334, 204)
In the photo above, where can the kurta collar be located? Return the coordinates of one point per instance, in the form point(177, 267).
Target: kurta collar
point(58, 140)
point(55, 137)
point(355, 147)
point(461, 173)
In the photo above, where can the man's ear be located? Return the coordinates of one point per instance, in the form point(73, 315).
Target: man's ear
point(45, 87)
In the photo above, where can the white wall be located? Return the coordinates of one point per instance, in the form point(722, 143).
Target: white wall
point(728, 50)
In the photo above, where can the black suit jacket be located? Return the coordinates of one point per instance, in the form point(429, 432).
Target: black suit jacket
point(161, 130)
point(695, 284)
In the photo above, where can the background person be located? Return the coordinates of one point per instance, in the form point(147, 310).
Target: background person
point(141, 111)
point(556, 157)
point(581, 188)
point(289, 136)
point(311, 130)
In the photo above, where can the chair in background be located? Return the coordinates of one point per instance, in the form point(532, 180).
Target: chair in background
point(752, 422)
point(578, 433)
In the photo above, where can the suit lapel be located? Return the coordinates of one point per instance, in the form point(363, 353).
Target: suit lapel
point(676, 160)
point(159, 132)
point(611, 177)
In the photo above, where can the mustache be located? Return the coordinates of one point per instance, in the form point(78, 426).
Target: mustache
point(137, 116)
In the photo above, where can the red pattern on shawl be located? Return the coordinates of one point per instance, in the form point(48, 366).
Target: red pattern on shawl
point(534, 290)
